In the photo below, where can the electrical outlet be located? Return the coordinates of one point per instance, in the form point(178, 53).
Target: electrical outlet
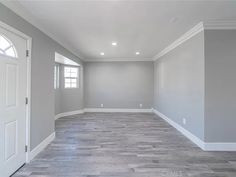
point(184, 121)
point(101, 105)
point(140, 105)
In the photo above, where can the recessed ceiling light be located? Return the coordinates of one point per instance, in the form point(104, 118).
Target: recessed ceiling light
point(137, 53)
point(102, 53)
point(114, 43)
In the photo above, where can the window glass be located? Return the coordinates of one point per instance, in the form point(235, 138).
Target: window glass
point(4, 43)
point(10, 52)
point(6, 47)
point(71, 77)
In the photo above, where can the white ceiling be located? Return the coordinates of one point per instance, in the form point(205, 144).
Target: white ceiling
point(89, 27)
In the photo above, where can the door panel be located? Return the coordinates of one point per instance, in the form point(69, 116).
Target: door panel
point(10, 139)
point(13, 85)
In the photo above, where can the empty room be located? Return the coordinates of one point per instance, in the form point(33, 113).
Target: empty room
point(117, 88)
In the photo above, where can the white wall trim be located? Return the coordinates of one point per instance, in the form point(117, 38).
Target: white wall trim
point(219, 146)
point(220, 25)
point(209, 25)
point(41, 146)
point(215, 24)
point(116, 110)
point(185, 132)
point(81, 111)
point(186, 36)
point(206, 146)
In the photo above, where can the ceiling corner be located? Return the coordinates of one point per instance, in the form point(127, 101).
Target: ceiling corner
point(16, 7)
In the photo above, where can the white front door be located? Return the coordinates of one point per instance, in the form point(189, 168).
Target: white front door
point(13, 85)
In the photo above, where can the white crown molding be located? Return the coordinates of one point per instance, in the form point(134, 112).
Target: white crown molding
point(41, 147)
point(220, 25)
point(81, 111)
point(23, 13)
point(219, 146)
point(117, 59)
point(206, 146)
point(185, 132)
point(209, 25)
point(189, 34)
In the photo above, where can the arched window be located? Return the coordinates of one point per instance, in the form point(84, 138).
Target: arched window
point(6, 47)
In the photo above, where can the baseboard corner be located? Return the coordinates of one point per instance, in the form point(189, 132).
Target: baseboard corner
point(206, 146)
point(80, 111)
point(182, 130)
point(118, 110)
point(220, 146)
point(32, 154)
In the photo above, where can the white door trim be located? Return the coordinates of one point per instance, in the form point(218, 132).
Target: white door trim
point(28, 106)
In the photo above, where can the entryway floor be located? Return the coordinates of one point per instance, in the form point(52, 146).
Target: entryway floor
point(125, 145)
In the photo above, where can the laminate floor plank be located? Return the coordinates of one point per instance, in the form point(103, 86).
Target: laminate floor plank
point(124, 145)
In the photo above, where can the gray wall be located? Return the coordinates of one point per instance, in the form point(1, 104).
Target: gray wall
point(57, 101)
point(179, 85)
point(118, 84)
point(71, 99)
point(220, 85)
point(181, 78)
point(42, 97)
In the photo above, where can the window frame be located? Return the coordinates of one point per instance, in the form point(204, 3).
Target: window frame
point(77, 78)
point(56, 77)
point(10, 46)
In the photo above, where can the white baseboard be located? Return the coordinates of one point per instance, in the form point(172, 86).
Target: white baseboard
point(206, 146)
point(117, 110)
point(185, 132)
point(220, 146)
point(81, 111)
point(41, 146)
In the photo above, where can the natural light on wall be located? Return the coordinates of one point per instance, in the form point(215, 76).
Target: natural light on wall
point(71, 72)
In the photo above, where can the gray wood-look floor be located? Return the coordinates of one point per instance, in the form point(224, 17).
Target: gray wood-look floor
point(125, 145)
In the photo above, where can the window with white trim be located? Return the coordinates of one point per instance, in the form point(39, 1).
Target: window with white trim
point(71, 75)
point(56, 77)
point(6, 47)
